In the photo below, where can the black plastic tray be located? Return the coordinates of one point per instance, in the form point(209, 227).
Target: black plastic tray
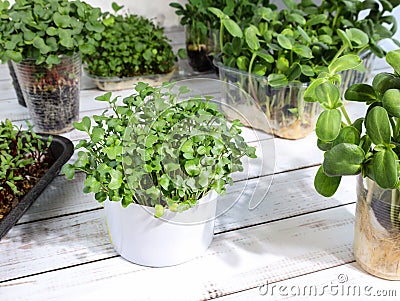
point(61, 149)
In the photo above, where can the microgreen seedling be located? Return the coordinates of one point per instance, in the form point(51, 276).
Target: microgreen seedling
point(156, 151)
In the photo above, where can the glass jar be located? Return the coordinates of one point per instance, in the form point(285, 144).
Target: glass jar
point(377, 229)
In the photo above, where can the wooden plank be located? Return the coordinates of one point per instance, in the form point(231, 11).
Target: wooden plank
point(236, 261)
point(347, 282)
point(280, 200)
point(61, 197)
point(67, 233)
point(67, 240)
point(4, 73)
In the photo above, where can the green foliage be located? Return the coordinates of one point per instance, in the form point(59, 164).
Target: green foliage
point(130, 45)
point(156, 151)
point(297, 43)
point(201, 20)
point(21, 152)
point(370, 145)
point(44, 29)
point(290, 45)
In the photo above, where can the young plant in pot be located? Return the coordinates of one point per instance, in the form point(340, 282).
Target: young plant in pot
point(43, 39)
point(157, 163)
point(130, 49)
point(274, 59)
point(367, 147)
point(373, 17)
point(28, 163)
point(200, 32)
point(202, 26)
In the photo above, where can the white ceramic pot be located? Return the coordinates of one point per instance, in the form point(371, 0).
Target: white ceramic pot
point(170, 240)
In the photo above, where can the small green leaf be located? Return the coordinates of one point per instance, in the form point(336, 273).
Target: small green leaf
point(361, 92)
point(317, 19)
point(97, 134)
point(164, 181)
point(384, 81)
point(62, 21)
point(232, 27)
point(343, 159)
point(69, 171)
point(243, 63)
point(252, 41)
point(345, 62)
point(357, 36)
point(377, 125)
point(84, 125)
point(192, 168)
point(116, 179)
point(66, 38)
point(345, 38)
point(294, 72)
point(326, 185)
point(104, 97)
point(39, 43)
point(217, 12)
point(328, 125)
point(13, 55)
point(303, 51)
point(284, 42)
point(348, 134)
point(52, 31)
point(393, 59)
point(116, 7)
point(391, 102)
point(159, 211)
point(309, 94)
point(277, 80)
point(328, 95)
point(385, 168)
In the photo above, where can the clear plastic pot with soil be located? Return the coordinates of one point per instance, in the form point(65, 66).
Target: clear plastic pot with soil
point(51, 94)
point(201, 47)
point(377, 229)
point(289, 116)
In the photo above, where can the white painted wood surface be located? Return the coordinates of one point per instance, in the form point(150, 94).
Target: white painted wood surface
point(59, 250)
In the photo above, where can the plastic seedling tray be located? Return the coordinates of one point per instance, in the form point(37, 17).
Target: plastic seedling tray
point(61, 149)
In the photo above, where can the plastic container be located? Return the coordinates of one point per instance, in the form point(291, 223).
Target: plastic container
point(118, 83)
point(289, 116)
point(61, 149)
point(201, 48)
point(172, 239)
point(51, 95)
point(377, 229)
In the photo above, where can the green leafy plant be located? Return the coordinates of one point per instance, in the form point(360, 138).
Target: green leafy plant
point(130, 45)
point(202, 26)
point(23, 158)
point(280, 50)
point(372, 17)
point(45, 40)
point(158, 151)
point(369, 145)
point(42, 30)
point(281, 45)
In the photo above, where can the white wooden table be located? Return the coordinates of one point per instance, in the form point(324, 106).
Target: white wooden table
point(294, 245)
